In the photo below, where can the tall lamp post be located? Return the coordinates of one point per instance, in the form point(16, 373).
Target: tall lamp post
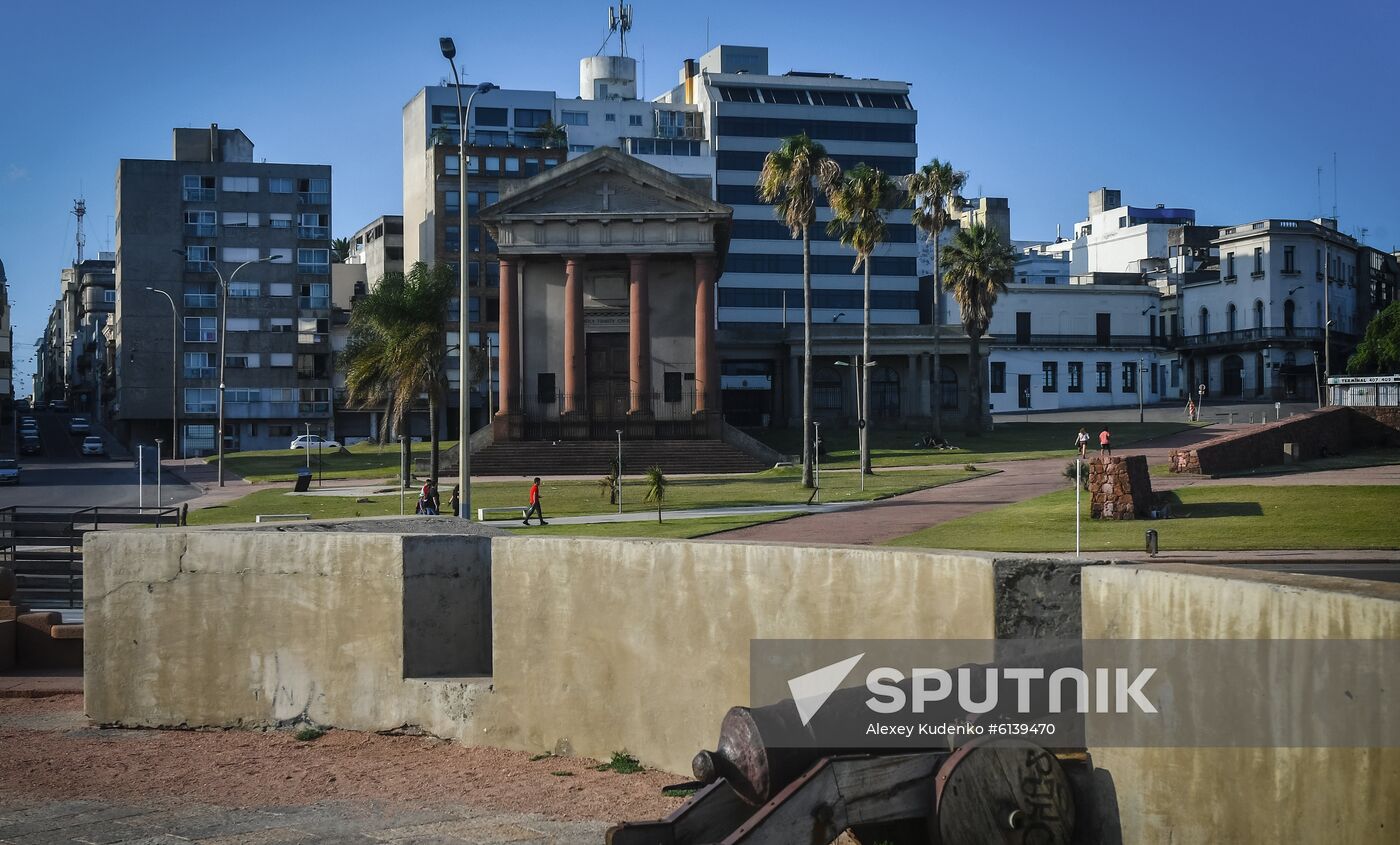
point(174, 371)
point(223, 330)
point(464, 410)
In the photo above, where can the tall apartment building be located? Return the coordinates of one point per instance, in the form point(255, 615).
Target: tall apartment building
point(182, 223)
point(88, 299)
point(379, 246)
point(7, 352)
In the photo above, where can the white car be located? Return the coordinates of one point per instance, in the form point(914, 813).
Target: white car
point(79, 425)
point(92, 445)
point(313, 441)
point(9, 471)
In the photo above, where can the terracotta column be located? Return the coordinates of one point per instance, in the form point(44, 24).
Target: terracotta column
point(706, 359)
point(574, 399)
point(509, 340)
point(639, 335)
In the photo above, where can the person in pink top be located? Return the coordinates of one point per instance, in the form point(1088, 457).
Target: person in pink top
point(1105, 448)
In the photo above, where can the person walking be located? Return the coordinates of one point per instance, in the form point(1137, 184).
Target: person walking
point(428, 499)
point(1105, 447)
point(456, 500)
point(1191, 410)
point(1081, 442)
point(535, 508)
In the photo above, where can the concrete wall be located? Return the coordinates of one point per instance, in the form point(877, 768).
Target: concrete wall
point(245, 627)
point(1207, 795)
point(1330, 431)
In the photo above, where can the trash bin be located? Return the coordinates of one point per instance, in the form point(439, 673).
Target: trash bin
point(1151, 542)
point(303, 480)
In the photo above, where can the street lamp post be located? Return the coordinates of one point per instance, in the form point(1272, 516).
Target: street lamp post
point(859, 369)
point(159, 499)
point(1141, 369)
point(223, 331)
point(174, 370)
point(464, 452)
point(619, 470)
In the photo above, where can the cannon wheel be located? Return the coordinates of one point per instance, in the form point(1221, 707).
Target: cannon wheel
point(1002, 790)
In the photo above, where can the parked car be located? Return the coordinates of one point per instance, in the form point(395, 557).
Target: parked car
point(28, 430)
point(92, 445)
point(9, 471)
point(79, 425)
point(28, 420)
point(30, 445)
point(313, 441)
point(58, 405)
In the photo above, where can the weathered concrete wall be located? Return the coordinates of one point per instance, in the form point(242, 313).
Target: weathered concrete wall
point(608, 644)
point(1209, 795)
point(1330, 431)
point(242, 627)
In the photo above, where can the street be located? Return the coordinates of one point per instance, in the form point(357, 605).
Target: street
point(61, 476)
point(1220, 411)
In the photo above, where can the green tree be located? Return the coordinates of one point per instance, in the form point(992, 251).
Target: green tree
point(340, 249)
point(979, 267)
point(552, 135)
point(1379, 350)
point(858, 208)
point(397, 347)
point(657, 483)
point(791, 176)
point(933, 191)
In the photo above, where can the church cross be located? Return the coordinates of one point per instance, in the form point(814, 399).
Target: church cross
point(606, 193)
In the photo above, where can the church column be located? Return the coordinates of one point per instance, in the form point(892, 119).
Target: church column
point(706, 359)
point(509, 340)
point(639, 335)
point(574, 399)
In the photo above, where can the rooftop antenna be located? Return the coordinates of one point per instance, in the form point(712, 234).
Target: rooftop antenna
point(1319, 190)
point(80, 211)
point(620, 21)
point(1334, 184)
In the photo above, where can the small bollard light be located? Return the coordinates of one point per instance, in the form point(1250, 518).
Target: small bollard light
point(1151, 542)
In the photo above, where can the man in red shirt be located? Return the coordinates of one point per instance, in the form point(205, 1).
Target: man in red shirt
point(1105, 448)
point(535, 508)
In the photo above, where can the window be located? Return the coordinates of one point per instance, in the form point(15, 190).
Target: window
point(512, 164)
point(279, 325)
point(1050, 280)
point(1230, 318)
point(826, 389)
point(1258, 262)
point(998, 377)
point(574, 118)
point(313, 191)
point(279, 289)
point(201, 330)
point(450, 165)
point(634, 120)
point(1103, 329)
point(245, 290)
point(280, 185)
point(1050, 376)
point(199, 259)
point(1258, 314)
point(243, 324)
point(240, 184)
point(550, 162)
point(280, 359)
point(1076, 376)
point(243, 361)
point(199, 365)
point(1023, 327)
point(1103, 372)
point(1122, 222)
point(532, 166)
point(1289, 266)
point(240, 219)
point(452, 202)
point(580, 148)
point(315, 295)
point(314, 261)
point(493, 164)
point(109, 296)
point(199, 189)
point(201, 400)
point(199, 224)
point(532, 118)
point(487, 116)
point(201, 296)
point(1129, 377)
point(473, 164)
point(313, 226)
point(1229, 266)
point(279, 221)
point(545, 391)
point(1205, 321)
point(671, 387)
point(239, 254)
point(610, 118)
point(826, 130)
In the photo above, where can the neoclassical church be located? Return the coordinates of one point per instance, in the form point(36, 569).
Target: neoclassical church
point(608, 272)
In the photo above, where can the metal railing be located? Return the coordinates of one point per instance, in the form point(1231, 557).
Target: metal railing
point(201, 300)
point(194, 266)
point(313, 233)
point(1112, 340)
point(198, 194)
point(313, 302)
point(1250, 335)
point(314, 269)
point(313, 198)
point(201, 230)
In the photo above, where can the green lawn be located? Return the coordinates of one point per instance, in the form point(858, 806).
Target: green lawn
point(1009, 442)
point(1207, 517)
point(363, 460)
point(680, 529)
point(578, 498)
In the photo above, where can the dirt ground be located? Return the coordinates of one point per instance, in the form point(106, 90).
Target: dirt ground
point(51, 753)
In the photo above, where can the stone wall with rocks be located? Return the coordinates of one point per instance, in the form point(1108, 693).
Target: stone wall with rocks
point(1119, 487)
point(1316, 434)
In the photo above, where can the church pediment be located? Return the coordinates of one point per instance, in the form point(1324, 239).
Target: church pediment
point(605, 183)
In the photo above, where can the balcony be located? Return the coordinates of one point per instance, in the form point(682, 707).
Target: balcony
point(313, 198)
point(201, 300)
point(311, 303)
point(192, 266)
point(311, 338)
point(199, 194)
point(1080, 340)
point(1244, 336)
point(313, 409)
point(314, 233)
point(200, 230)
point(314, 269)
point(200, 372)
point(259, 410)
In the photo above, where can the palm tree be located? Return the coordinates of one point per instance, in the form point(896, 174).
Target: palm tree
point(340, 249)
point(931, 191)
point(551, 134)
point(979, 267)
point(397, 348)
point(656, 489)
point(786, 181)
point(858, 208)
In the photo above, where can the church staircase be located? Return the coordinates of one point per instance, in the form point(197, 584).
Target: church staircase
point(595, 457)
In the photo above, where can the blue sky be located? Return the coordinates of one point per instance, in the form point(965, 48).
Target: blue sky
point(1228, 108)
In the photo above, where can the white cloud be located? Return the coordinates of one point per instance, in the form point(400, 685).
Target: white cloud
point(15, 173)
